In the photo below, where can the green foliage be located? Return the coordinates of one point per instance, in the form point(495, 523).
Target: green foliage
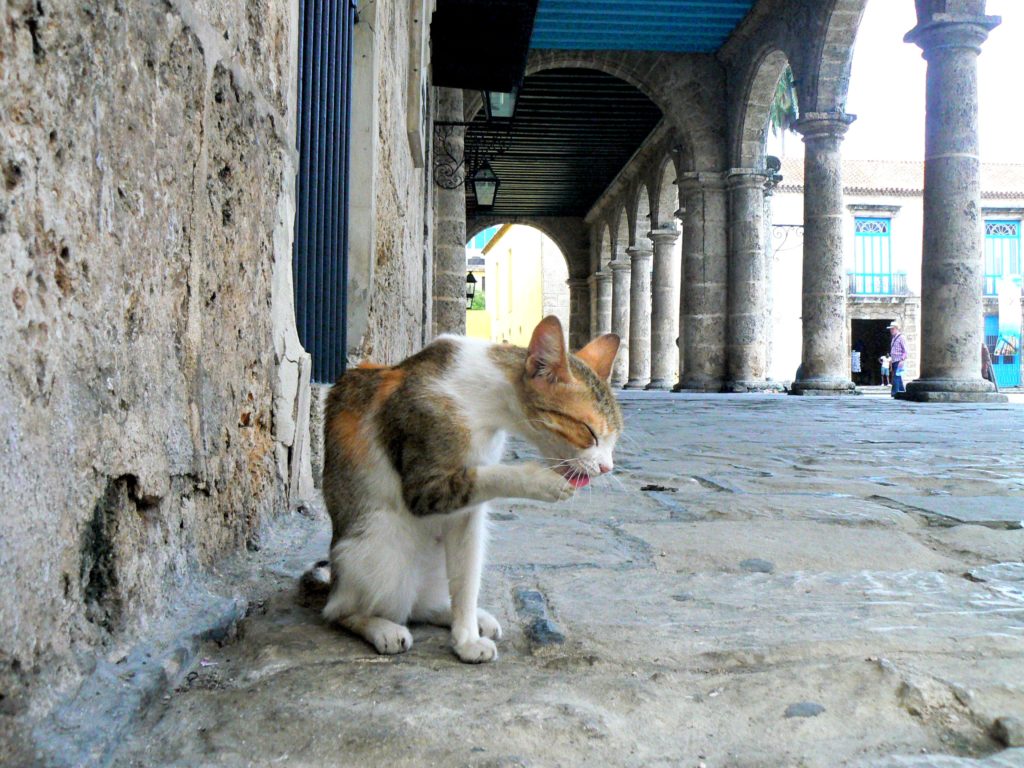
point(784, 110)
point(479, 302)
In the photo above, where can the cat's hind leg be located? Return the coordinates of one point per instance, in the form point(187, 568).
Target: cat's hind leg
point(372, 589)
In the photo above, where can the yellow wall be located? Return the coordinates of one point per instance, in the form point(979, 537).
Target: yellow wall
point(514, 282)
point(478, 324)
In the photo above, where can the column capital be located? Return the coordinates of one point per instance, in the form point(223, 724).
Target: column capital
point(951, 30)
point(752, 178)
point(578, 282)
point(601, 276)
point(618, 266)
point(659, 236)
point(691, 181)
point(639, 254)
point(823, 125)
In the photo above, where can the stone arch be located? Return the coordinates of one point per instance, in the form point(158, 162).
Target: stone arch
point(682, 96)
point(577, 266)
point(749, 143)
point(824, 78)
point(642, 218)
point(665, 194)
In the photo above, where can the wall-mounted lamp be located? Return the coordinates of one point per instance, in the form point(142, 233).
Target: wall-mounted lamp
point(481, 142)
point(470, 289)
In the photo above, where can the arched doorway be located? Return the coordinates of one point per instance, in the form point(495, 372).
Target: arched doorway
point(521, 276)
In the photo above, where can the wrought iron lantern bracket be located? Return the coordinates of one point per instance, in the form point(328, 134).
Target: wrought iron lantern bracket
point(480, 142)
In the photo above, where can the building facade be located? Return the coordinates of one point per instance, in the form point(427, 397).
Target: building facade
point(882, 261)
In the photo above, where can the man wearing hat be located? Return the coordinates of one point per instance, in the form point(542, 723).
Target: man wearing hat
point(898, 353)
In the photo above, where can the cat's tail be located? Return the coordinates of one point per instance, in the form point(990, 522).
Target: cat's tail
point(316, 582)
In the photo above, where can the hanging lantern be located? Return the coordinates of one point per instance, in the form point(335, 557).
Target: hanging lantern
point(470, 289)
point(499, 107)
point(485, 186)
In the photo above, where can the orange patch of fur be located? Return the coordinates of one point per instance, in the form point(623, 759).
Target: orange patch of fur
point(390, 380)
point(347, 433)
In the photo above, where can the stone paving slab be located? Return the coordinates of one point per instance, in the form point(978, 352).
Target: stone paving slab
point(990, 511)
point(763, 603)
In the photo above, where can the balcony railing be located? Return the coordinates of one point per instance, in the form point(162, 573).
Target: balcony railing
point(877, 283)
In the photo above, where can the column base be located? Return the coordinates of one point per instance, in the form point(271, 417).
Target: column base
point(742, 387)
point(662, 385)
point(823, 387)
point(636, 384)
point(708, 386)
point(951, 391)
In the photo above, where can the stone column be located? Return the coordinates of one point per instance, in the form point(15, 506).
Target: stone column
point(620, 318)
point(825, 369)
point(602, 304)
point(579, 312)
point(702, 304)
point(640, 258)
point(449, 304)
point(664, 309)
point(951, 268)
point(748, 289)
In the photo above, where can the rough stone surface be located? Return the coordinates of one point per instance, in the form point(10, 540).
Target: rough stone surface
point(601, 302)
point(640, 260)
point(579, 313)
point(825, 366)
point(399, 299)
point(145, 216)
point(449, 313)
point(664, 310)
point(952, 264)
point(673, 654)
point(703, 303)
point(748, 282)
point(621, 279)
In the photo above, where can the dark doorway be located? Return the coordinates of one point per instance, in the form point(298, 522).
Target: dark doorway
point(872, 339)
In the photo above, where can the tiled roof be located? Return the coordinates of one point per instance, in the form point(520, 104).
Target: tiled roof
point(903, 177)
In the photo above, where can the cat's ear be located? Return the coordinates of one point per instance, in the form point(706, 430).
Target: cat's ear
point(600, 354)
point(545, 357)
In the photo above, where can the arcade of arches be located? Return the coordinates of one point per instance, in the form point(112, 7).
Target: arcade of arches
point(672, 253)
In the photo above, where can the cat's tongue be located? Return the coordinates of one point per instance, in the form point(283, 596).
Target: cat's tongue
point(579, 481)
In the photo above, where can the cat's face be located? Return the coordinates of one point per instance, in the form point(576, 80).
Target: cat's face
point(573, 417)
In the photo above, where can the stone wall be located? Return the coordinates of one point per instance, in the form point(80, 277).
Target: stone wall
point(400, 296)
point(147, 343)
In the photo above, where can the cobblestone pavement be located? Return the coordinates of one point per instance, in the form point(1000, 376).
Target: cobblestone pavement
point(767, 581)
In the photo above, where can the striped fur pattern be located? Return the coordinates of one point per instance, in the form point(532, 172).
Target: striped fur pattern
point(411, 458)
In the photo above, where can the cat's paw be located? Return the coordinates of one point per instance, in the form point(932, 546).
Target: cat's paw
point(489, 626)
point(477, 651)
point(390, 639)
point(548, 485)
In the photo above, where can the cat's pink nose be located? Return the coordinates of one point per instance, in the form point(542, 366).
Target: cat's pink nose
point(605, 468)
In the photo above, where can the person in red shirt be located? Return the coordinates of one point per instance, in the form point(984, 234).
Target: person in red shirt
point(898, 355)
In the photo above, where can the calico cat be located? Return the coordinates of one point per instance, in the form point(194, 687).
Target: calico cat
point(411, 458)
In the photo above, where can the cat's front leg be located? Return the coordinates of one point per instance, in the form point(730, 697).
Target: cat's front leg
point(464, 556)
point(521, 481)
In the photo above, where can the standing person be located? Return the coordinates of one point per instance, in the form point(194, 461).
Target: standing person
point(897, 357)
point(885, 360)
point(987, 371)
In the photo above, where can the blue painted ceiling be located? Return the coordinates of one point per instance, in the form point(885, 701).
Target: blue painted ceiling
point(684, 26)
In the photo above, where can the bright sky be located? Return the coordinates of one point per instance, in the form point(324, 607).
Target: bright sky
point(887, 87)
